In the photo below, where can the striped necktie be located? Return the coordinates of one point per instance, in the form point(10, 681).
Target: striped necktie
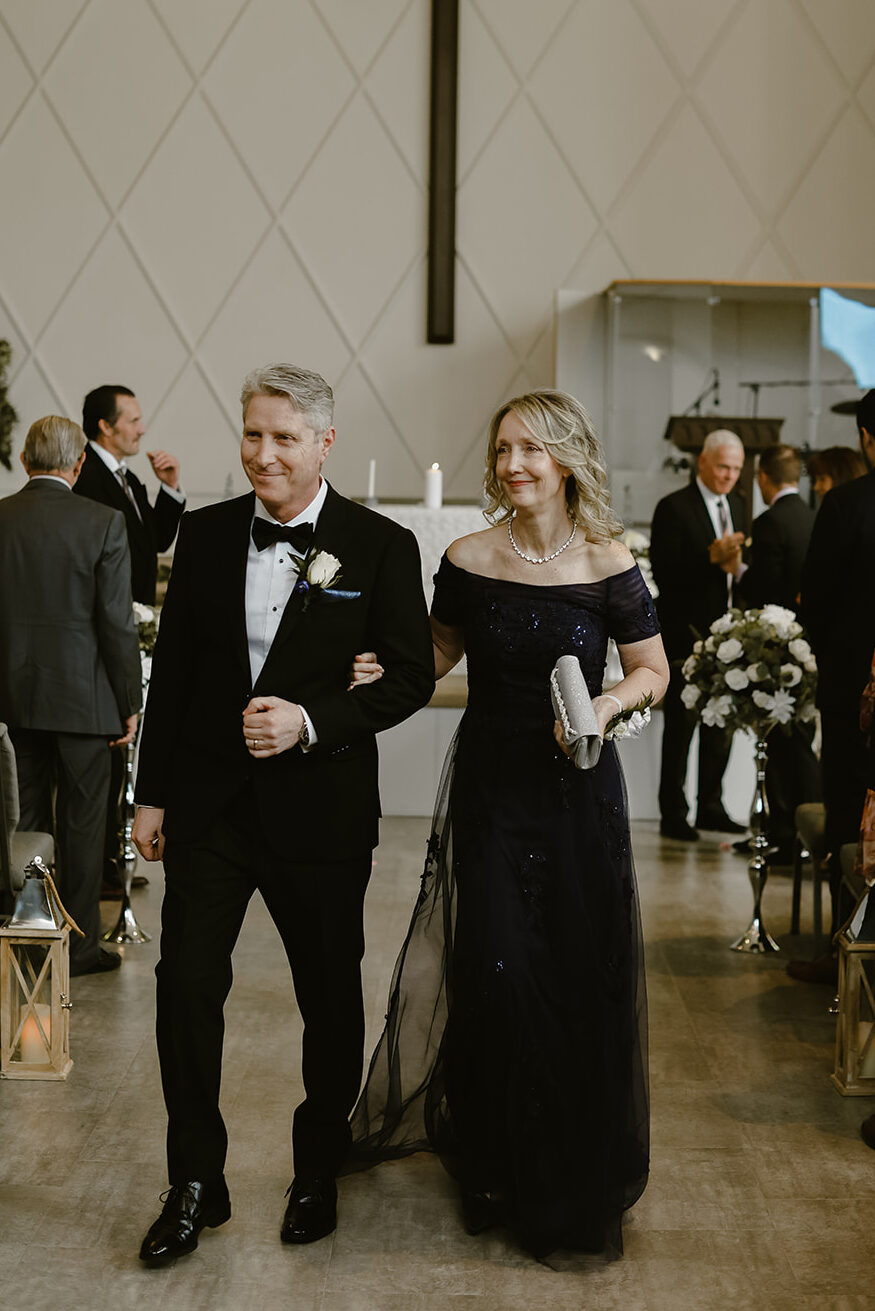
point(725, 527)
point(122, 474)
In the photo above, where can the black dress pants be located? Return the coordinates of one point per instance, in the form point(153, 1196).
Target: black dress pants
point(677, 733)
point(318, 910)
point(63, 780)
point(844, 767)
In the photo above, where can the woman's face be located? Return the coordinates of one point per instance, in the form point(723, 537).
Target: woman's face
point(822, 484)
point(526, 471)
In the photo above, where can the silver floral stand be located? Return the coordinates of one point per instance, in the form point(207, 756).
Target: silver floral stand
point(126, 929)
point(756, 938)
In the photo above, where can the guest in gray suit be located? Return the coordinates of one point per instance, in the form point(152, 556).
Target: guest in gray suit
point(69, 663)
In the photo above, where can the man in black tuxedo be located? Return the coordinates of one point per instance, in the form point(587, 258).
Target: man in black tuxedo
point(694, 532)
point(69, 664)
point(258, 770)
point(113, 423)
point(838, 611)
point(779, 541)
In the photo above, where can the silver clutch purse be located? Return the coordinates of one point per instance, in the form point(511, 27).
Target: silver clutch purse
point(572, 706)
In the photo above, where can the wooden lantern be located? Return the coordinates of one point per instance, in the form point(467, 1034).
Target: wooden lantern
point(35, 1003)
point(854, 1073)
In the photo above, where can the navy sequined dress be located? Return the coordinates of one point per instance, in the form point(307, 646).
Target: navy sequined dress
point(515, 1040)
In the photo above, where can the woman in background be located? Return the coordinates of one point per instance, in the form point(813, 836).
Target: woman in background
point(834, 465)
point(515, 1043)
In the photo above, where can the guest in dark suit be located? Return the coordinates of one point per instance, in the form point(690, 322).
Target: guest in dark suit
point(838, 611)
point(113, 423)
point(69, 664)
point(779, 541)
point(694, 532)
point(258, 770)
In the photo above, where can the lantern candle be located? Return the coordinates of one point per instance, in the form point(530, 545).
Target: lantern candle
point(372, 479)
point(434, 487)
point(35, 1049)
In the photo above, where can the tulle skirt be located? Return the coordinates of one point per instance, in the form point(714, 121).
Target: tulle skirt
point(515, 1039)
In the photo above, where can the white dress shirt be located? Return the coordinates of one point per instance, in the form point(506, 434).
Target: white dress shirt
point(713, 501)
point(271, 575)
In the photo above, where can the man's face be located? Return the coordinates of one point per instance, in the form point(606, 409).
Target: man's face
point(122, 438)
point(282, 455)
point(719, 469)
point(867, 448)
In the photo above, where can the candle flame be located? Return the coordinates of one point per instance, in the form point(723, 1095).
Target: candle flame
point(435, 466)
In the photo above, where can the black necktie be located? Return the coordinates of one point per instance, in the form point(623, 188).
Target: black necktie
point(265, 534)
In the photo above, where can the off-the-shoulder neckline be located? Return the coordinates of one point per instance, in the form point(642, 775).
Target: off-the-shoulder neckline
point(542, 587)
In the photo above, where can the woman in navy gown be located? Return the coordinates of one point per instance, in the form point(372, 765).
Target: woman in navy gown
point(515, 1041)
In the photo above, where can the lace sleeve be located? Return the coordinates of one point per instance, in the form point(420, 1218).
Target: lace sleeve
point(631, 611)
point(448, 601)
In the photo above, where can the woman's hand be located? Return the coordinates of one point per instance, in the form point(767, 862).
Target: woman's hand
point(366, 669)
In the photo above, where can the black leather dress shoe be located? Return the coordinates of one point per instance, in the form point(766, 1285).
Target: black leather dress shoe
point(102, 963)
point(719, 822)
point(311, 1212)
point(678, 829)
point(189, 1208)
point(480, 1211)
point(867, 1131)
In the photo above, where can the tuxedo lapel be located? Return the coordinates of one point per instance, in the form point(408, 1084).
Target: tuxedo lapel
point(700, 515)
point(227, 565)
point(332, 534)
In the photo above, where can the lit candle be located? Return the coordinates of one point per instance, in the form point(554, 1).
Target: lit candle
point(434, 487)
point(34, 1049)
point(372, 479)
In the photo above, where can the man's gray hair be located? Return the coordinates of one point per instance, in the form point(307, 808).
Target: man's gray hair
point(721, 437)
point(53, 443)
point(308, 392)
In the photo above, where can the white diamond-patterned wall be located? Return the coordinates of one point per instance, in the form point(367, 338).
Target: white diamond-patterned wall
point(191, 189)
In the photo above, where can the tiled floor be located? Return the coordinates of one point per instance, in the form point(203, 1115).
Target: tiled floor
point(761, 1195)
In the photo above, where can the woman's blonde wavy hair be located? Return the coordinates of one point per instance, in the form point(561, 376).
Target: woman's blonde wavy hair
point(563, 426)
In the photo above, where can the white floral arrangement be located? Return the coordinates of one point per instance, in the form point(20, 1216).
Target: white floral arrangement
point(631, 723)
point(754, 670)
point(639, 546)
point(146, 619)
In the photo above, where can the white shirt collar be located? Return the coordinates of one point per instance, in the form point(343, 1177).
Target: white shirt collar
point(107, 456)
point(785, 491)
point(310, 513)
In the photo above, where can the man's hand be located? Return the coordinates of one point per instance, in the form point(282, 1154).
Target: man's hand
point(165, 466)
point(130, 732)
point(147, 832)
point(732, 563)
point(366, 669)
point(271, 726)
point(725, 547)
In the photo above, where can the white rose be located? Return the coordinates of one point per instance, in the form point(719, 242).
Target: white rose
point(698, 647)
point(731, 649)
point(753, 673)
point(763, 700)
point(795, 629)
point(323, 569)
point(715, 712)
point(634, 540)
point(143, 614)
point(782, 621)
point(690, 665)
point(690, 695)
point(811, 665)
point(790, 675)
point(723, 624)
point(737, 679)
point(799, 649)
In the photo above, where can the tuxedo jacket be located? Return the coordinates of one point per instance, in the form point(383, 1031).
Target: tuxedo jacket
point(147, 536)
point(318, 805)
point(69, 656)
point(779, 541)
point(692, 590)
point(838, 593)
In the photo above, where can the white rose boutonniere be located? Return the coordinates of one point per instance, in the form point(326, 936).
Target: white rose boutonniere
point(318, 575)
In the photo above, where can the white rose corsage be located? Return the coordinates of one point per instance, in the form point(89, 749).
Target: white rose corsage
point(629, 723)
point(318, 575)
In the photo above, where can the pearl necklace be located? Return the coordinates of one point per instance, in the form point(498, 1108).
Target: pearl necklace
point(530, 559)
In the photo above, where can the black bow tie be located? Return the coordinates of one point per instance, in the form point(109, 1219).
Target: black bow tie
point(266, 534)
